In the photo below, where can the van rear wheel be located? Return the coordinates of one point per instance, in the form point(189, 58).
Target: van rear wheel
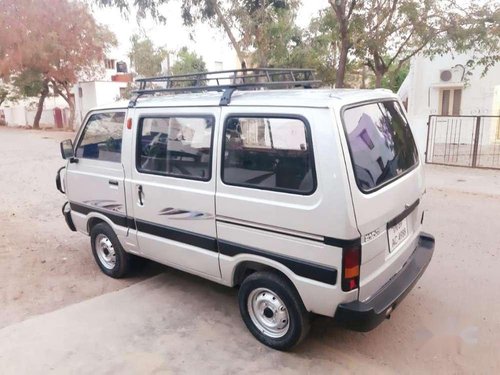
point(272, 310)
point(108, 252)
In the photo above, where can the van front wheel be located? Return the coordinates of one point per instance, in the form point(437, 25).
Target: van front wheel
point(108, 252)
point(272, 310)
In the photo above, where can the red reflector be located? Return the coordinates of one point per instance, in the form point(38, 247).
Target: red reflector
point(129, 123)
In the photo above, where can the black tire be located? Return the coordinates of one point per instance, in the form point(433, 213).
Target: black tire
point(298, 316)
point(123, 260)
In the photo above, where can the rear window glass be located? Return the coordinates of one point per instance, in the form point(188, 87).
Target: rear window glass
point(381, 143)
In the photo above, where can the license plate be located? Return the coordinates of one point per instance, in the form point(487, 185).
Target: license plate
point(397, 234)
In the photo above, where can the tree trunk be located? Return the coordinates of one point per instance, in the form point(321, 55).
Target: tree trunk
point(340, 75)
point(71, 103)
point(378, 79)
point(41, 100)
point(342, 14)
point(228, 31)
point(363, 77)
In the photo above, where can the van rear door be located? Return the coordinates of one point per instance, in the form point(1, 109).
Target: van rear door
point(386, 180)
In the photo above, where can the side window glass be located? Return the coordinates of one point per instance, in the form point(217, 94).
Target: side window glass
point(268, 153)
point(102, 137)
point(176, 146)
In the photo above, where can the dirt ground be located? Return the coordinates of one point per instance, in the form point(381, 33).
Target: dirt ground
point(448, 324)
point(43, 265)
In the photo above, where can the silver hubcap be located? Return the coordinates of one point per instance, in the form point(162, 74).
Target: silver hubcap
point(105, 251)
point(268, 313)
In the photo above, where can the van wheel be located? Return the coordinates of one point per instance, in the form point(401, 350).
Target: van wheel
point(272, 310)
point(108, 252)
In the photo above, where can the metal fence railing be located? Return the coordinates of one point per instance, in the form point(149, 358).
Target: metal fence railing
point(467, 141)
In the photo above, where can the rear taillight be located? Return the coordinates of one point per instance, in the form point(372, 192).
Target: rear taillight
point(351, 260)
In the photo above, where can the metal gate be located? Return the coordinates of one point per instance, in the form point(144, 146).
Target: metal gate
point(467, 141)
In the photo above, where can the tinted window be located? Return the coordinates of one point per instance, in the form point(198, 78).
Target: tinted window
point(176, 146)
point(268, 153)
point(381, 143)
point(102, 137)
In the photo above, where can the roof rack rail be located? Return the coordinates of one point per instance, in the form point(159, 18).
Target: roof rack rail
point(226, 81)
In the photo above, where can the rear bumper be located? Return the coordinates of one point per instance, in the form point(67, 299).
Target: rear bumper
point(364, 316)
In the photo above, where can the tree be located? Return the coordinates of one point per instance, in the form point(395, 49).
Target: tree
point(56, 39)
point(247, 23)
point(145, 58)
point(386, 34)
point(267, 28)
point(189, 62)
point(474, 30)
point(320, 47)
point(395, 77)
point(343, 10)
point(396, 30)
point(3, 94)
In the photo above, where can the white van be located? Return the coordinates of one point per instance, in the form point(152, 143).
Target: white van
point(308, 200)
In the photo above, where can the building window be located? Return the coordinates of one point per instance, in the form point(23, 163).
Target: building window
point(450, 100)
point(109, 63)
point(268, 153)
point(218, 65)
point(176, 146)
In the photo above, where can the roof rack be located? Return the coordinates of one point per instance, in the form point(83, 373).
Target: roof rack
point(226, 81)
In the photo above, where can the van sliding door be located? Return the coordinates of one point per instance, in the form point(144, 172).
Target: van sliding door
point(173, 187)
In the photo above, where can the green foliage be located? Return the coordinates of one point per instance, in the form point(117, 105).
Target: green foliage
point(381, 35)
point(267, 27)
point(394, 78)
point(145, 58)
point(4, 94)
point(188, 62)
point(475, 31)
point(320, 48)
point(29, 83)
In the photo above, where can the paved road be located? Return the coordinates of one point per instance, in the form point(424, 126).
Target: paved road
point(177, 323)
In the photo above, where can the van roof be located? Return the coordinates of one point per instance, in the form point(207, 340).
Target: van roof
point(317, 98)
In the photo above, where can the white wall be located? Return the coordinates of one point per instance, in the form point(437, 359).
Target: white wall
point(478, 94)
point(22, 112)
point(94, 94)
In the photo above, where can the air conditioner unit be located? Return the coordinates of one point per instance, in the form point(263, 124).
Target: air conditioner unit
point(445, 75)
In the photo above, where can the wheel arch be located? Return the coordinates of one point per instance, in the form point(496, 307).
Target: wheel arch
point(95, 218)
point(317, 297)
point(246, 267)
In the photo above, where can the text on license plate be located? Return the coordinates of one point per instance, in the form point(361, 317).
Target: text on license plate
point(398, 234)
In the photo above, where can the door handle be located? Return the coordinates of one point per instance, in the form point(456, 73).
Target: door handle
point(113, 182)
point(139, 193)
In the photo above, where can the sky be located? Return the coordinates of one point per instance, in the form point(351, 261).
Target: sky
point(211, 43)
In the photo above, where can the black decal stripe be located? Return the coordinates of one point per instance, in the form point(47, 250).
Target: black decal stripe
point(299, 267)
point(326, 240)
point(403, 214)
point(204, 242)
point(121, 220)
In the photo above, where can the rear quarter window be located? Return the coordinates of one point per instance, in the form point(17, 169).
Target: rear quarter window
point(269, 153)
point(380, 142)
